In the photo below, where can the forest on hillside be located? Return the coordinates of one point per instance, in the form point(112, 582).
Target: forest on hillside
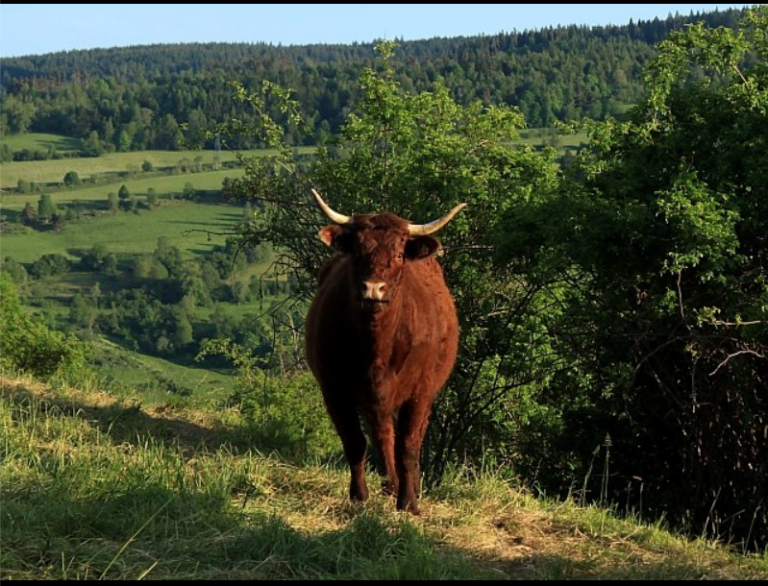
point(143, 97)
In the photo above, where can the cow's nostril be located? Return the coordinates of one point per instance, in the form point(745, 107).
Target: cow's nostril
point(374, 290)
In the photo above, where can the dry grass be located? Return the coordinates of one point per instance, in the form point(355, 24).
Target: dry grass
point(204, 506)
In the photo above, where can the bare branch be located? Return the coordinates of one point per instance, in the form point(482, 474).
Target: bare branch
point(737, 70)
point(728, 358)
point(680, 293)
point(738, 324)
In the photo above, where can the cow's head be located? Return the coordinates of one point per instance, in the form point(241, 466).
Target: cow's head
point(381, 245)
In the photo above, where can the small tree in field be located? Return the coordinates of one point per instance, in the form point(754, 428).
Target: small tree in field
point(71, 179)
point(46, 209)
point(113, 202)
point(189, 191)
point(29, 214)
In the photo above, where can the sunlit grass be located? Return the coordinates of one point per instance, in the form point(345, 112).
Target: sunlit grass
point(192, 227)
point(95, 487)
point(41, 141)
point(164, 186)
point(51, 171)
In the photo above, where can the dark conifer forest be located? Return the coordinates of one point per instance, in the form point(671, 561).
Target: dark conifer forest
point(136, 98)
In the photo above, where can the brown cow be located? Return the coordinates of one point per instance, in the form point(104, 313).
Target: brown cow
point(381, 339)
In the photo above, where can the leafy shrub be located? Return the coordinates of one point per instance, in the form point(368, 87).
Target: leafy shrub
point(27, 345)
point(286, 410)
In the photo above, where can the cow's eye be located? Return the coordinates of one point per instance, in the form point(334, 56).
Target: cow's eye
point(401, 256)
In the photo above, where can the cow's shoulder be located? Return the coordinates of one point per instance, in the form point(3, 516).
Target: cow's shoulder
point(331, 268)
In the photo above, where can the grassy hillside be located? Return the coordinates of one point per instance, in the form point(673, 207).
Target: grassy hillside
point(194, 227)
point(97, 488)
point(169, 184)
point(157, 381)
point(51, 171)
point(41, 141)
point(183, 223)
point(87, 167)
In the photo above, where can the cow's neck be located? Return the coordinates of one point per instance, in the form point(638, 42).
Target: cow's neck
point(380, 333)
point(379, 328)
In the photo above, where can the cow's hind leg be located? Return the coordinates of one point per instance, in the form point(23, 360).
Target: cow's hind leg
point(411, 427)
point(347, 423)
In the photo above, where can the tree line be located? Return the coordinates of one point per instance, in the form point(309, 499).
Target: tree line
point(150, 97)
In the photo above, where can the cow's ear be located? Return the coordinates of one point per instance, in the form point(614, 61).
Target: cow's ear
point(421, 246)
point(336, 237)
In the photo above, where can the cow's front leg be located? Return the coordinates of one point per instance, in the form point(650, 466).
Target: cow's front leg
point(383, 431)
point(411, 427)
point(347, 423)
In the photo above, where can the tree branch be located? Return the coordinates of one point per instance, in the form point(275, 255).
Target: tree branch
point(728, 358)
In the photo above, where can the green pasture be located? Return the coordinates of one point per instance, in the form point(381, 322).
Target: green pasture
point(163, 185)
point(40, 141)
point(86, 167)
point(538, 137)
point(60, 289)
point(183, 223)
point(54, 170)
point(157, 380)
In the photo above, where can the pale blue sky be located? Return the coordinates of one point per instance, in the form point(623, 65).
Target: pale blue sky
point(33, 29)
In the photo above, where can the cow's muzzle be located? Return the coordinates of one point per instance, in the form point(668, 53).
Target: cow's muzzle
point(374, 291)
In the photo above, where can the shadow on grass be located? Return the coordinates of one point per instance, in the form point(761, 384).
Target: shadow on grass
point(226, 223)
point(64, 143)
point(235, 216)
point(545, 566)
point(130, 424)
point(60, 519)
point(123, 531)
point(49, 533)
point(12, 216)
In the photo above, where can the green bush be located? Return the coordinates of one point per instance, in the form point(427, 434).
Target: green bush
point(286, 411)
point(657, 239)
point(71, 179)
point(27, 345)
